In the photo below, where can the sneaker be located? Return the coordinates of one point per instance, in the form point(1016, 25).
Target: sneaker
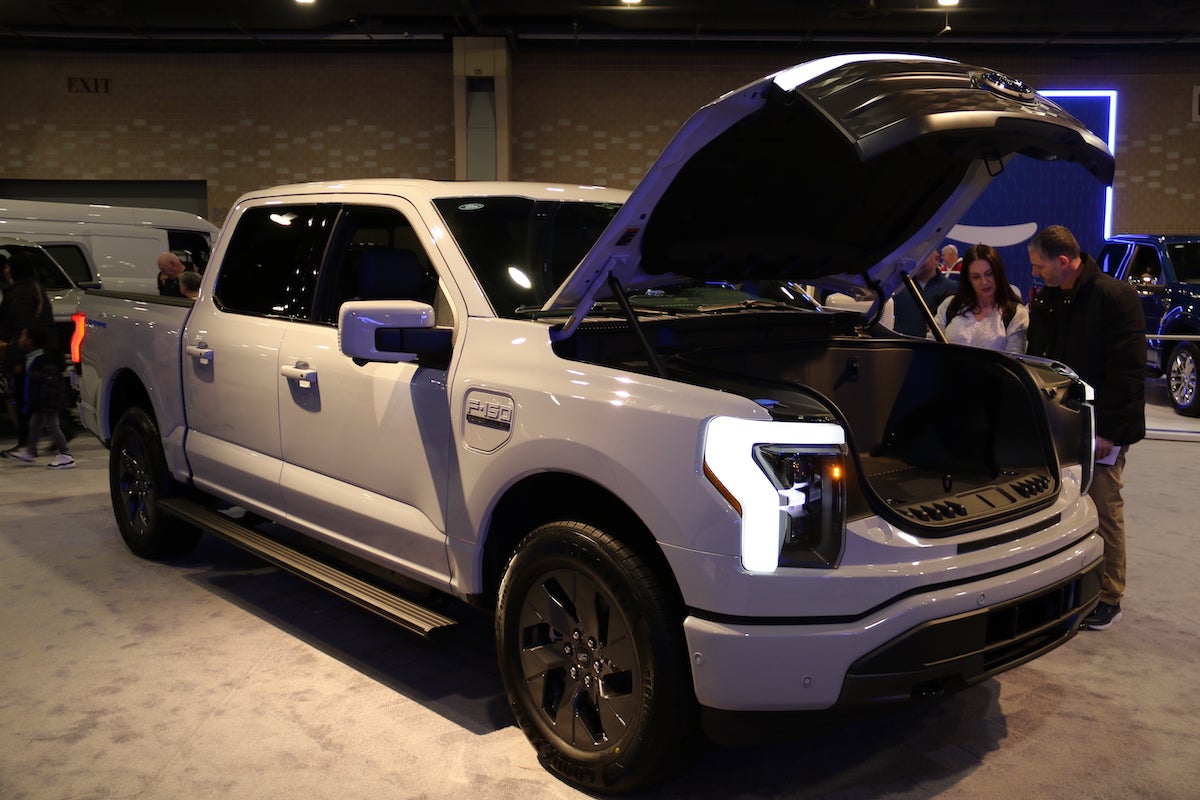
point(1102, 617)
point(62, 461)
point(21, 454)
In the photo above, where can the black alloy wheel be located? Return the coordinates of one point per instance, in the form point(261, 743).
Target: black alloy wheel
point(1181, 379)
point(138, 479)
point(591, 652)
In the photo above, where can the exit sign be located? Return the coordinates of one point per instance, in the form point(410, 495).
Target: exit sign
point(89, 85)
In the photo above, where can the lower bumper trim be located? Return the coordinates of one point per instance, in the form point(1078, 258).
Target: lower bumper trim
point(948, 654)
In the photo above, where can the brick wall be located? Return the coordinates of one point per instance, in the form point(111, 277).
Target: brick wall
point(243, 121)
point(603, 118)
point(239, 122)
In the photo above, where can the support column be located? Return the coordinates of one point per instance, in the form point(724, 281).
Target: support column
point(482, 137)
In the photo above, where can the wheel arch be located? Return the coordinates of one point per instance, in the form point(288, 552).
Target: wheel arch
point(1181, 319)
point(550, 496)
point(126, 391)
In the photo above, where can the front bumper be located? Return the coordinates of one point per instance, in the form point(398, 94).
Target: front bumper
point(919, 645)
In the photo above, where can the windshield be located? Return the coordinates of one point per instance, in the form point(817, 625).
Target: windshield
point(521, 249)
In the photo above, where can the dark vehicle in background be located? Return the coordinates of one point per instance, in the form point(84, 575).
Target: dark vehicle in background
point(1165, 271)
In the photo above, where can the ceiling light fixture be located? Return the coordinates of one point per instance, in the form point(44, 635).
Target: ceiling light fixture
point(947, 2)
point(631, 2)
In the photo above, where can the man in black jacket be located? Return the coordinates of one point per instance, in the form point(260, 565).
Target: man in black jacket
point(1095, 324)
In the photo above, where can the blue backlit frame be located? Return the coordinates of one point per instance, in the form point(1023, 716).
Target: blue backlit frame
point(1030, 194)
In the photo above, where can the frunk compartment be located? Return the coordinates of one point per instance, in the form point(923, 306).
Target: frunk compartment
point(946, 438)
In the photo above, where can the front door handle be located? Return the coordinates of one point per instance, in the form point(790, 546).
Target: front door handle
point(200, 351)
point(301, 373)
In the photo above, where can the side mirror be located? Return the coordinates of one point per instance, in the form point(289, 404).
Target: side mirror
point(390, 331)
point(1145, 284)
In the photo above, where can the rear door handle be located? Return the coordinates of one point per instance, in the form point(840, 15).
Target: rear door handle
point(200, 351)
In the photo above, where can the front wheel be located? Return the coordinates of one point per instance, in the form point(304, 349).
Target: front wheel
point(137, 480)
point(591, 652)
point(1181, 379)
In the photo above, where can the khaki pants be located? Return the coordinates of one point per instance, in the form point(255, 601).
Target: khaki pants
point(1106, 494)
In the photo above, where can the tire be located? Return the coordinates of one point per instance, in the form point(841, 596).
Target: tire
point(137, 480)
point(1181, 379)
point(591, 651)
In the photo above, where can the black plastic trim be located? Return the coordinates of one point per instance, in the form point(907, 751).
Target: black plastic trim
point(950, 654)
point(733, 619)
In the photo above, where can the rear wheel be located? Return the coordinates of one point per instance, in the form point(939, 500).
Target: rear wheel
point(591, 652)
point(137, 480)
point(1181, 379)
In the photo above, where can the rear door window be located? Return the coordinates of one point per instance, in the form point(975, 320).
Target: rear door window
point(270, 268)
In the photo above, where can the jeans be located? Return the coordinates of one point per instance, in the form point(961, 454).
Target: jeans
point(1106, 494)
point(49, 421)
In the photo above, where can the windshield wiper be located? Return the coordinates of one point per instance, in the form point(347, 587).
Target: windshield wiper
point(535, 312)
point(742, 304)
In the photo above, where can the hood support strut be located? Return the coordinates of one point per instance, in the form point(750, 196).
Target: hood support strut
point(923, 307)
point(614, 286)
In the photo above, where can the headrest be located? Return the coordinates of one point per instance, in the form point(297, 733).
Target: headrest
point(387, 274)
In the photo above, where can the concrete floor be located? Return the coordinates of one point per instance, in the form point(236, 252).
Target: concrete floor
point(214, 676)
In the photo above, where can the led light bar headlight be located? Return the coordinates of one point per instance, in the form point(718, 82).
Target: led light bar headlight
point(811, 482)
point(787, 481)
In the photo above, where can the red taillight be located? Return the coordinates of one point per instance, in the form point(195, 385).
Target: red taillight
point(80, 322)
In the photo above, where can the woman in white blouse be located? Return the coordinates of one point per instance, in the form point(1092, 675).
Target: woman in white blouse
point(985, 311)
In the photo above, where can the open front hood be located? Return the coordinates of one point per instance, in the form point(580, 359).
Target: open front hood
point(835, 171)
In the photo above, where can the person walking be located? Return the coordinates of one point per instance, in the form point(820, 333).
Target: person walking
point(44, 395)
point(25, 305)
point(1095, 324)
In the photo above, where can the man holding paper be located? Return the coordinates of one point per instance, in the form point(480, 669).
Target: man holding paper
point(1095, 324)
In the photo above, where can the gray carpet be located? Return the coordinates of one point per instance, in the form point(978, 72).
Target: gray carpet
point(214, 676)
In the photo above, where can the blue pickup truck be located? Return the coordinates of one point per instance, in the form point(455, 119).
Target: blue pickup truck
point(1165, 270)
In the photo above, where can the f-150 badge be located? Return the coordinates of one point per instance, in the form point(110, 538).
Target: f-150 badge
point(489, 418)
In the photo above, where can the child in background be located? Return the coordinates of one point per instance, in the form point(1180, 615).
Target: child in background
point(44, 396)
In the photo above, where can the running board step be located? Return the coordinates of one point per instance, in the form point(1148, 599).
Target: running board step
point(400, 610)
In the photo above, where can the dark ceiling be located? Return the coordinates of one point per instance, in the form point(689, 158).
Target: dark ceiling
point(324, 24)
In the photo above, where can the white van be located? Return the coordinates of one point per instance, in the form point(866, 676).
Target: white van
point(115, 247)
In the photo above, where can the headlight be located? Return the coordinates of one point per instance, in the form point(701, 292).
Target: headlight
point(812, 501)
point(787, 482)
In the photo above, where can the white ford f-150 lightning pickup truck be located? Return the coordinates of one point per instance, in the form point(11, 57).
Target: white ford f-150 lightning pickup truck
point(609, 419)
